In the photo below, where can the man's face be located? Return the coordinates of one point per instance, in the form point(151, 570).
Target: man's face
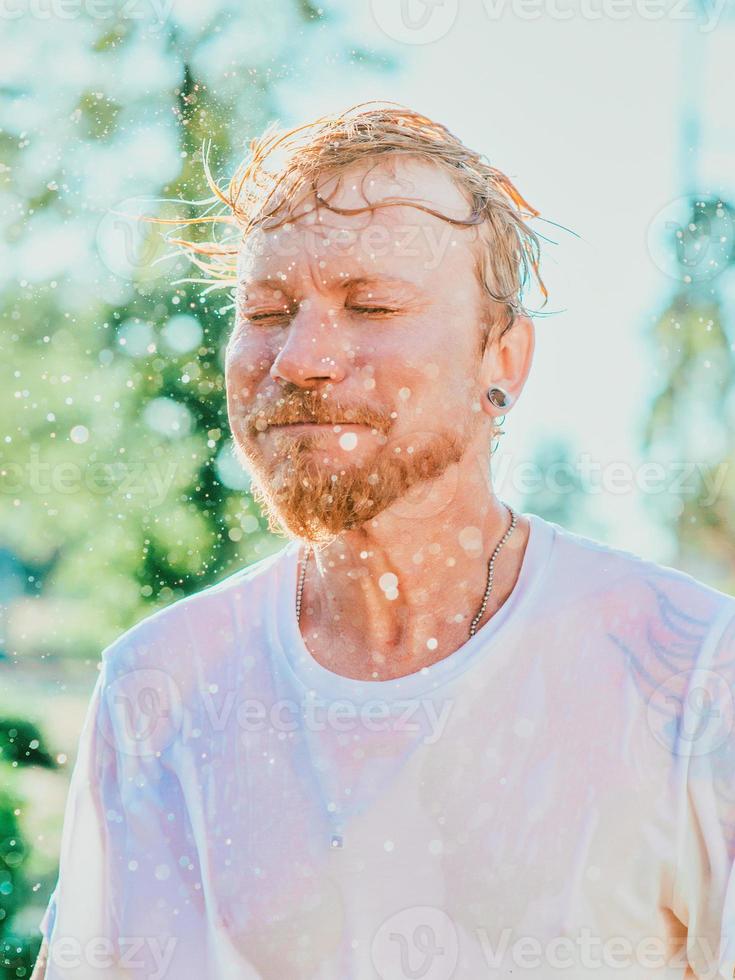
point(372, 322)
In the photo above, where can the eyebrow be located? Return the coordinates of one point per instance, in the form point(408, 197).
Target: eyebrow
point(375, 278)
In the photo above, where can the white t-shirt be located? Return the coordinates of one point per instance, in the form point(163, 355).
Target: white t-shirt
point(555, 798)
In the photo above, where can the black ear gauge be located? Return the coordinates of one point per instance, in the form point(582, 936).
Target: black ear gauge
point(498, 397)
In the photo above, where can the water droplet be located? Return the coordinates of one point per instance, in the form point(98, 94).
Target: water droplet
point(470, 538)
point(79, 434)
point(523, 727)
point(348, 440)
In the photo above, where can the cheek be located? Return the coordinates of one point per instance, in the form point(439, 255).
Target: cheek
point(251, 346)
point(436, 345)
point(450, 370)
point(240, 387)
point(431, 395)
point(246, 364)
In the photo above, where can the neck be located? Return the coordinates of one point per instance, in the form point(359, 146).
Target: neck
point(399, 593)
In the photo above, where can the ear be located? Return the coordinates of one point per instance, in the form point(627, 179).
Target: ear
point(507, 362)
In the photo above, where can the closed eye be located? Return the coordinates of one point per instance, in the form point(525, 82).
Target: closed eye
point(366, 310)
point(265, 316)
point(380, 310)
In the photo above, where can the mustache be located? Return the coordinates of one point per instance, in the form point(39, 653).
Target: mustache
point(310, 406)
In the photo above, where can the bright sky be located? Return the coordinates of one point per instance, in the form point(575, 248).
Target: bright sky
point(583, 113)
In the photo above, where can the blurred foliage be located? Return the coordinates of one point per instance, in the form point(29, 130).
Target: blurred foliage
point(561, 494)
point(21, 744)
point(692, 415)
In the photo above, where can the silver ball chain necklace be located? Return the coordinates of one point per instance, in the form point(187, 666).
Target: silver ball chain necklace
point(488, 587)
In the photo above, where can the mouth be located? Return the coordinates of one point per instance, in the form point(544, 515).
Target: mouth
point(335, 426)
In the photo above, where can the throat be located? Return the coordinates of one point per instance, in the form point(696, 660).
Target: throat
point(353, 626)
point(360, 661)
point(353, 647)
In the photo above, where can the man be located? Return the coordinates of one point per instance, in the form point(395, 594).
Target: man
point(430, 737)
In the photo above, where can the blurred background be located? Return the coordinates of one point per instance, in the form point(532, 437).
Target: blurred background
point(119, 492)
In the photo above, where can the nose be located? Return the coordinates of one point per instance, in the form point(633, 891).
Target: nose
point(311, 354)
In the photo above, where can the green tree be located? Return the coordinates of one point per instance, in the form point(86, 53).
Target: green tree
point(21, 744)
point(690, 423)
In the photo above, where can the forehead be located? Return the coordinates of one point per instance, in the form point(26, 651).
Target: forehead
point(396, 240)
